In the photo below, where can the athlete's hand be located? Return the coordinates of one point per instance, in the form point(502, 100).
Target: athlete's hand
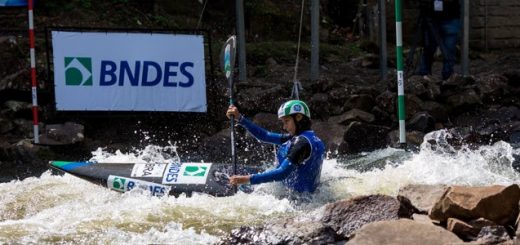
point(239, 179)
point(233, 111)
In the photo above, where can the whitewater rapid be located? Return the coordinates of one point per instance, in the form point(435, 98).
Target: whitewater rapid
point(65, 209)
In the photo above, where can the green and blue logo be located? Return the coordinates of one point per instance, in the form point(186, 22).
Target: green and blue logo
point(195, 171)
point(78, 71)
point(119, 183)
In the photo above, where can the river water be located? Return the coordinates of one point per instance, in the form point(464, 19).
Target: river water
point(68, 210)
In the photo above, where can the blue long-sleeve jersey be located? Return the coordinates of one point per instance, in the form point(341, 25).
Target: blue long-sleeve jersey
point(300, 158)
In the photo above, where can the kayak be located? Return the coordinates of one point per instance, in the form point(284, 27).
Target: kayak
point(159, 179)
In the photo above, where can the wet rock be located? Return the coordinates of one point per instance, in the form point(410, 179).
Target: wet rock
point(415, 85)
point(362, 137)
point(352, 115)
point(345, 217)
point(493, 235)
point(413, 138)
point(268, 121)
point(423, 218)
point(262, 98)
point(330, 133)
point(492, 87)
point(63, 134)
point(433, 90)
point(464, 100)
point(402, 231)
point(421, 121)
point(423, 196)
point(364, 102)
point(386, 101)
point(513, 76)
point(455, 82)
point(379, 114)
point(370, 61)
point(413, 105)
point(289, 232)
point(24, 127)
point(462, 229)
point(436, 110)
point(271, 63)
point(20, 161)
point(339, 95)
point(320, 106)
point(496, 203)
point(5, 125)
point(12, 106)
point(216, 147)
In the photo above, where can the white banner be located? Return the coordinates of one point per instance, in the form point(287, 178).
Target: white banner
point(98, 71)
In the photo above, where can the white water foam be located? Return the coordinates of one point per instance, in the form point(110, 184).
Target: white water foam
point(66, 209)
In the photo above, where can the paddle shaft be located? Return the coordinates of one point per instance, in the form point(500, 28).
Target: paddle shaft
point(232, 123)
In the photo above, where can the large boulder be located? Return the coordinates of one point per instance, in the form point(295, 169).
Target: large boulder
point(421, 121)
point(264, 97)
point(467, 99)
point(320, 106)
point(21, 160)
point(62, 134)
point(268, 121)
point(363, 137)
point(492, 87)
point(6, 125)
point(330, 133)
point(386, 101)
point(413, 138)
point(425, 87)
point(436, 110)
point(346, 216)
point(403, 231)
point(423, 197)
point(364, 102)
point(352, 115)
point(496, 203)
point(494, 235)
point(289, 232)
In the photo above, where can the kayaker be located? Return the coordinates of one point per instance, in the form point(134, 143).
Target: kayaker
point(300, 155)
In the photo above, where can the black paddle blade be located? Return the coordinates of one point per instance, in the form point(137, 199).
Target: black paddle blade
point(227, 56)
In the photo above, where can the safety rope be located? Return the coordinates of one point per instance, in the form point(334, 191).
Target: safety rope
point(202, 13)
point(297, 86)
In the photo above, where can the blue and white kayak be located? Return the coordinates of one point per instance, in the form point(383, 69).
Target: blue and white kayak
point(171, 178)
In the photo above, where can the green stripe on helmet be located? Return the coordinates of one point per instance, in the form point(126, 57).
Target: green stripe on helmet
point(289, 108)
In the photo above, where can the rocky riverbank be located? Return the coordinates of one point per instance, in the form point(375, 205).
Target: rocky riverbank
point(420, 214)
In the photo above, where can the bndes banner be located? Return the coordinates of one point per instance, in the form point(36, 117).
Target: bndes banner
point(98, 71)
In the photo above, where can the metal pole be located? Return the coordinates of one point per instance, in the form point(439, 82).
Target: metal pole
point(242, 74)
point(465, 40)
point(400, 73)
point(33, 73)
point(315, 39)
point(383, 56)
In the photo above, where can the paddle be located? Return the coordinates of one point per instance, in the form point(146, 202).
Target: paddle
point(227, 59)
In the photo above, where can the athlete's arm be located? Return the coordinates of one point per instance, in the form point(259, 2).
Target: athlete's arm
point(258, 132)
point(261, 133)
point(278, 174)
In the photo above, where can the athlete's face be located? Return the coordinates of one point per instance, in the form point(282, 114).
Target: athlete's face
point(289, 125)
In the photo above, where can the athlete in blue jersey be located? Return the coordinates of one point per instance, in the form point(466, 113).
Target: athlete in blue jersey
point(300, 154)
